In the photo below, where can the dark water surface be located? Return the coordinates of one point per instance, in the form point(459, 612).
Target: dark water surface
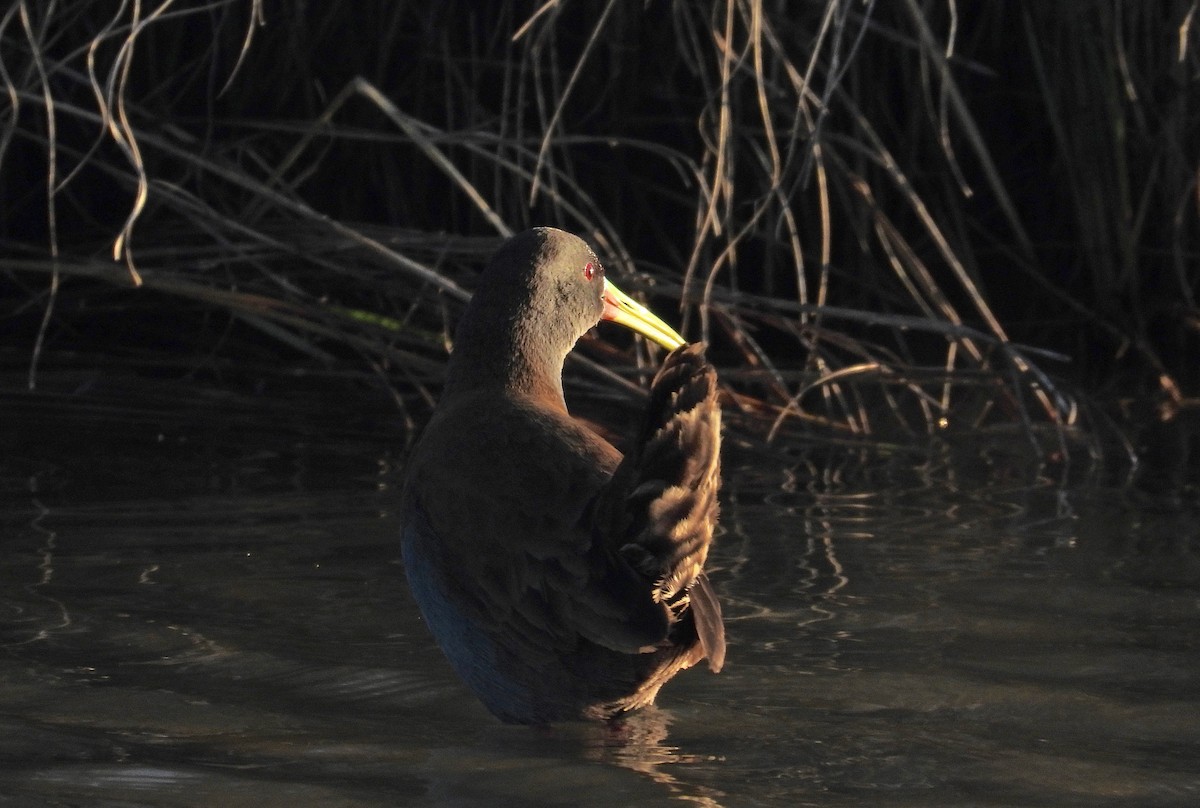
point(202, 603)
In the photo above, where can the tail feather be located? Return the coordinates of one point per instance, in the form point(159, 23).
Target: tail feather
point(709, 625)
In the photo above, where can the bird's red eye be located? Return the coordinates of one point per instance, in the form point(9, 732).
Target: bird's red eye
point(589, 270)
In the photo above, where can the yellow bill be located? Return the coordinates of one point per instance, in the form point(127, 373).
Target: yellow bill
point(620, 308)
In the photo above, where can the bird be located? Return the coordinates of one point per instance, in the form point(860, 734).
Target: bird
point(563, 580)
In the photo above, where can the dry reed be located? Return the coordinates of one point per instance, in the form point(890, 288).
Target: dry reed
point(868, 210)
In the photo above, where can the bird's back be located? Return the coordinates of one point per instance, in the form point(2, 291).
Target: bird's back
point(520, 557)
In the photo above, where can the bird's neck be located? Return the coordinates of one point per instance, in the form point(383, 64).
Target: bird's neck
point(507, 366)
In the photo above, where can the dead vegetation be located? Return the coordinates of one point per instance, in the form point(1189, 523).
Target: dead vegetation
point(887, 220)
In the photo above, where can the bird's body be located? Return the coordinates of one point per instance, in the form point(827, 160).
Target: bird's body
point(562, 580)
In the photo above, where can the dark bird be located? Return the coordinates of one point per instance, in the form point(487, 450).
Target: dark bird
point(562, 580)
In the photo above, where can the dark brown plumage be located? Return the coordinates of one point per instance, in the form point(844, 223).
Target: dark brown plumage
point(562, 580)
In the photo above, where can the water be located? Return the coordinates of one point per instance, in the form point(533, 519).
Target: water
point(202, 603)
